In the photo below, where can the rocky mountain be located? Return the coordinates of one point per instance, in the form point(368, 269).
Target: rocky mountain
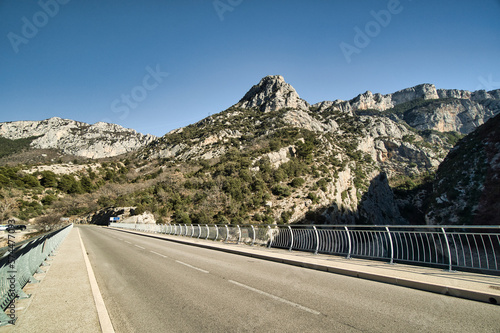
point(272, 93)
point(424, 107)
point(274, 158)
point(466, 189)
point(354, 150)
point(76, 138)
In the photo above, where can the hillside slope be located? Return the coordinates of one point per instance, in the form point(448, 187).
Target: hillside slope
point(345, 149)
point(76, 138)
point(466, 189)
point(274, 158)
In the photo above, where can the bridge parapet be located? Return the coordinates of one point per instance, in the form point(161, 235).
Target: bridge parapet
point(469, 248)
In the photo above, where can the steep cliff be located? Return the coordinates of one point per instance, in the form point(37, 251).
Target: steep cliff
point(466, 189)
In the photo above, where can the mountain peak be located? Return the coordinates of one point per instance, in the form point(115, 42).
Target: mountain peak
point(270, 94)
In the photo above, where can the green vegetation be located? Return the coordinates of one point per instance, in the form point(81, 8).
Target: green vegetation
point(238, 185)
point(423, 104)
point(9, 147)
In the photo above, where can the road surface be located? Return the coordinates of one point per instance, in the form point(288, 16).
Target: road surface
point(152, 285)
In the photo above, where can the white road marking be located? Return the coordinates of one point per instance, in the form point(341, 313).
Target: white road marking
point(276, 298)
point(161, 255)
point(190, 266)
point(140, 247)
point(102, 312)
point(128, 242)
point(120, 238)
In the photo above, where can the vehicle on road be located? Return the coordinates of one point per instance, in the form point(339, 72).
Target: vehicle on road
point(15, 227)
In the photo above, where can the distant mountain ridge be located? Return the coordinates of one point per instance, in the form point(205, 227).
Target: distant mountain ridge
point(273, 157)
point(77, 138)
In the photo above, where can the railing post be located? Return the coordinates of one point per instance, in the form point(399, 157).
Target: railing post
point(392, 245)
point(216, 232)
point(239, 233)
point(291, 240)
point(192, 230)
point(270, 236)
point(253, 233)
point(350, 243)
point(208, 231)
point(199, 231)
point(227, 234)
point(186, 232)
point(317, 239)
point(448, 249)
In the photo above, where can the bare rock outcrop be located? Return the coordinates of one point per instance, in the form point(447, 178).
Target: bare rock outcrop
point(272, 93)
point(378, 206)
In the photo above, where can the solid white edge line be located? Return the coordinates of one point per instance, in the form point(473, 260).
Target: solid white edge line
point(102, 312)
point(191, 266)
point(140, 247)
point(276, 297)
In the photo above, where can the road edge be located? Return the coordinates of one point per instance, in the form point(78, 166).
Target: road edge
point(102, 312)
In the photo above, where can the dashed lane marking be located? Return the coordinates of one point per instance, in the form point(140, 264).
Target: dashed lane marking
point(276, 298)
point(191, 266)
point(161, 255)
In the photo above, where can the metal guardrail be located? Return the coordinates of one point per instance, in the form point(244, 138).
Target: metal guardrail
point(473, 248)
point(18, 265)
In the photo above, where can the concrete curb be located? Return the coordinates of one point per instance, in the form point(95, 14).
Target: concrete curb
point(445, 288)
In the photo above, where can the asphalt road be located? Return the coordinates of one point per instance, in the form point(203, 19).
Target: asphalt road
point(151, 285)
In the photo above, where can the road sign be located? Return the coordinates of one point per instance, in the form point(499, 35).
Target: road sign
point(114, 219)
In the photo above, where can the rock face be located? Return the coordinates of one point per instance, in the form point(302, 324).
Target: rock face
point(460, 115)
point(466, 189)
point(426, 108)
point(77, 138)
point(271, 94)
point(378, 206)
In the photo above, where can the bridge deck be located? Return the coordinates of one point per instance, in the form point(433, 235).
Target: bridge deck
point(63, 301)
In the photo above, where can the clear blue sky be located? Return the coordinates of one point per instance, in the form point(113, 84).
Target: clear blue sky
point(179, 61)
